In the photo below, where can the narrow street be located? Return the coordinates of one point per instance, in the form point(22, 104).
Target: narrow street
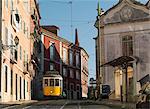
point(60, 104)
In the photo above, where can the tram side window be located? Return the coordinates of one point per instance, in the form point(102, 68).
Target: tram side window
point(51, 82)
point(56, 82)
point(60, 83)
point(46, 82)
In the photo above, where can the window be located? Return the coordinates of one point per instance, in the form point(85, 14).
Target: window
point(45, 82)
point(6, 36)
point(127, 46)
point(24, 27)
point(64, 71)
point(6, 69)
point(12, 5)
point(20, 22)
point(6, 3)
point(27, 58)
point(16, 53)
point(77, 60)
point(51, 82)
point(71, 86)
point(20, 52)
point(71, 73)
point(24, 89)
point(60, 83)
point(65, 85)
point(51, 66)
point(27, 63)
point(17, 13)
point(11, 50)
point(78, 87)
point(71, 57)
point(25, 2)
point(11, 77)
point(64, 55)
point(24, 58)
point(16, 86)
point(56, 82)
point(27, 86)
point(77, 75)
point(17, 1)
point(27, 32)
point(17, 20)
point(20, 88)
point(52, 51)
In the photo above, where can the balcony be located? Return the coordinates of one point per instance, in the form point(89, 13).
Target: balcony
point(25, 67)
point(13, 60)
point(13, 57)
point(34, 61)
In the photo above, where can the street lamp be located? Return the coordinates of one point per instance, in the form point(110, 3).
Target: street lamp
point(6, 47)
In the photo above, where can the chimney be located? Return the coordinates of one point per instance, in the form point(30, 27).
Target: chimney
point(76, 38)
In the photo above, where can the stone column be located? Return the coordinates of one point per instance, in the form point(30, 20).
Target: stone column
point(134, 79)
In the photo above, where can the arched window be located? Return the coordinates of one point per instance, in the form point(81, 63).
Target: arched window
point(52, 51)
point(127, 45)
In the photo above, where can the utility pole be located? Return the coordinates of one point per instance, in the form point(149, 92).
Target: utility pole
point(98, 52)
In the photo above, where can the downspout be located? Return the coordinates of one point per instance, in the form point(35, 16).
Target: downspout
point(0, 45)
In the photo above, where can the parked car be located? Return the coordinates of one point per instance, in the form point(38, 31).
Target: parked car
point(105, 91)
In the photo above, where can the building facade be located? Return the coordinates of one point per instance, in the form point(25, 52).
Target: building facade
point(84, 73)
point(63, 56)
point(73, 77)
point(35, 46)
point(15, 77)
point(16, 63)
point(124, 31)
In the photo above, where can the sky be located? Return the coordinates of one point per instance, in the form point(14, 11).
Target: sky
point(80, 14)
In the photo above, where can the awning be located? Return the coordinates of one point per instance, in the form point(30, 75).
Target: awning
point(119, 61)
point(144, 80)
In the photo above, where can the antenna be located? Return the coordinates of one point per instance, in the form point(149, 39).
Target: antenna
point(70, 2)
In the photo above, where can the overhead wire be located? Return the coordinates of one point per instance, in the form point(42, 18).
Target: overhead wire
point(70, 3)
point(60, 2)
point(78, 22)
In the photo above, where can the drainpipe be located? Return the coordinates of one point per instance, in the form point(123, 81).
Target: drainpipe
point(0, 44)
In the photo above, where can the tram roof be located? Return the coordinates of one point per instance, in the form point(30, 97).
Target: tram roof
point(52, 74)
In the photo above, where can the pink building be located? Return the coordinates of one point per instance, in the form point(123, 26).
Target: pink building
point(16, 63)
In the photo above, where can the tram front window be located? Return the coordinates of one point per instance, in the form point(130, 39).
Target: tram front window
point(46, 82)
point(51, 82)
point(56, 82)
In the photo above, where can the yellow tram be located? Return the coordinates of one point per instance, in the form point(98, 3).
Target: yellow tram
point(52, 84)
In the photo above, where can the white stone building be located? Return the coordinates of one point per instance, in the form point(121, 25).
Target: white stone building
point(124, 31)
